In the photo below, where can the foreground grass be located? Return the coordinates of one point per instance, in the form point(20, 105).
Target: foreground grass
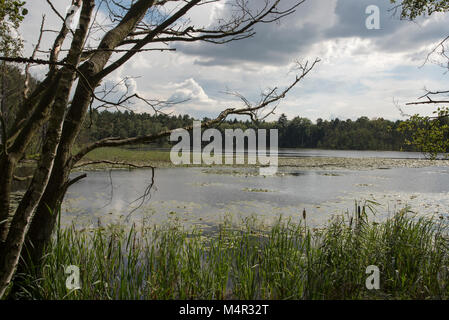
point(285, 261)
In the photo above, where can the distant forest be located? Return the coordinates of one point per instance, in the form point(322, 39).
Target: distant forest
point(362, 134)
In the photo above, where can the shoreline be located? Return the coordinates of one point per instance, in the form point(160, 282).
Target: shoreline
point(161, 159)
point(305, 163)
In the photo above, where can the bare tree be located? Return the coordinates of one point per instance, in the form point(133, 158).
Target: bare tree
point(411, 10)
point(439, 56)
point(428, 134)
point(135, 27)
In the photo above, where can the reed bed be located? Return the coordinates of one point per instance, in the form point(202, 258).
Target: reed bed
point(287, 260)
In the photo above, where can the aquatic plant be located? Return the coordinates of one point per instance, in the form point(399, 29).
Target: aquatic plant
point(249, 260)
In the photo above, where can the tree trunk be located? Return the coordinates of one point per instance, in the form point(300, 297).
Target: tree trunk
point(12, 248)
point(44, 220)
point(51, 180)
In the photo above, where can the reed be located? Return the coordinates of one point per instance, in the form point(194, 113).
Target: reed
point(249, 260)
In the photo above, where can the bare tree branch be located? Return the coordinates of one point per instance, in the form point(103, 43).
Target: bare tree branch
point(26, 85)
point(248, 109)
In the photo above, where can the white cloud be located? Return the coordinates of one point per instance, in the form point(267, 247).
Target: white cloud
point(189, 90)
point(360, 74)
point(193, 99)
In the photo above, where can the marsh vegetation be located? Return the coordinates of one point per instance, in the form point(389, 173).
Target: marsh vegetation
point(250, 260)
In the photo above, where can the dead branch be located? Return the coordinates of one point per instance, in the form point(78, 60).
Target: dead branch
point(26, 85)
point(429, 96)
point(119, 163)
point(248, 109)
point(146, 196)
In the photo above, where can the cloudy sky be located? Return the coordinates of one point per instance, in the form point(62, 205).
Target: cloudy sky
point(363, 72)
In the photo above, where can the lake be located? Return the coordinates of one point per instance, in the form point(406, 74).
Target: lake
point(204, 196)
point(297, 152)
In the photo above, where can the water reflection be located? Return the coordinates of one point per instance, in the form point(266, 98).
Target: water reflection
point(205, 196)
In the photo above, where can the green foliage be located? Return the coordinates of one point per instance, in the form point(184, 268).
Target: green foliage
point(100, 125)
point(411, 9)
point(13, 82)
point(248, 260)
point(429, 135)
point(12, 13)
point(362, 134)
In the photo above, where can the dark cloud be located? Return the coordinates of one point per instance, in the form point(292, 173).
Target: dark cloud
point(273, 43)
point(351, 20)
point(395, 35)
point(273, 46)
point(315, 22)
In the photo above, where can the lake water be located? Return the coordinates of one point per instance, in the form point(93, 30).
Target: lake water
point(205, 196)
point(287, 152)
point(349, 154)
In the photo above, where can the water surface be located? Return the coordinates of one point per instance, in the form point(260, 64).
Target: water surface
point(205, 195)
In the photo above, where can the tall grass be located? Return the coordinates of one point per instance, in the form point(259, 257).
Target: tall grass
point(251, 261)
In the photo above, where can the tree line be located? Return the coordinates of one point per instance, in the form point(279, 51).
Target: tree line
point(299, 132)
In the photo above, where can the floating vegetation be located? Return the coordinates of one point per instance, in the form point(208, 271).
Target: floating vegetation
point(364, 185)
point(257, 190)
